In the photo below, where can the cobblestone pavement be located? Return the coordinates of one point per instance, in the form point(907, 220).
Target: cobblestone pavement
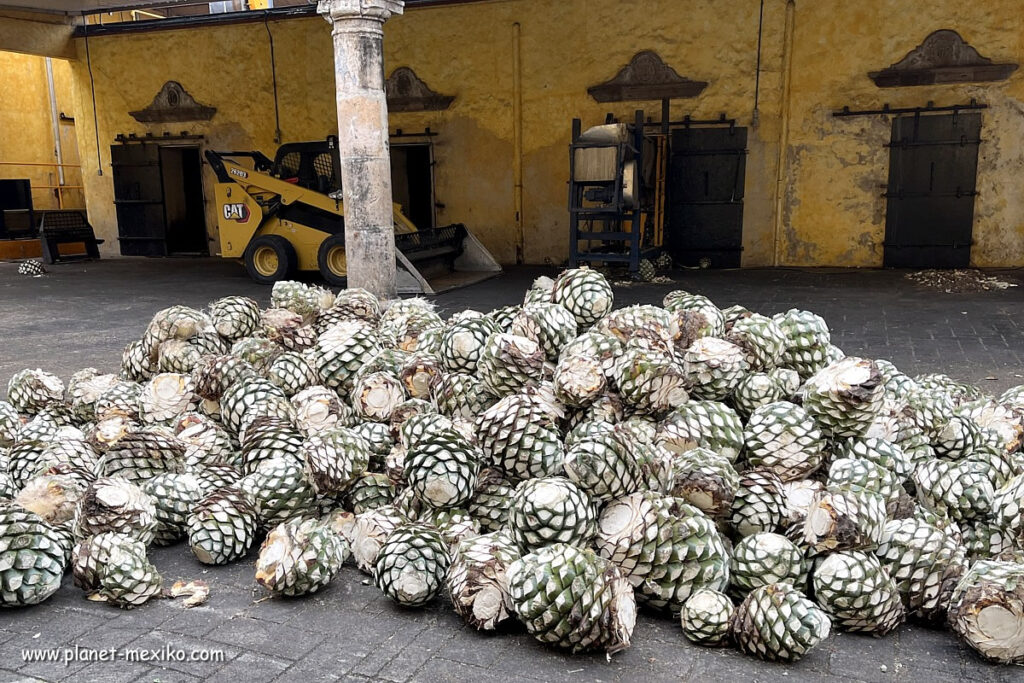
point(83, 314)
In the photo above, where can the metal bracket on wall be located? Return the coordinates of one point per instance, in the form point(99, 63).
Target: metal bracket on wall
point(687, 122)
point(425, 133)
point(927, 109)
point(149, 137)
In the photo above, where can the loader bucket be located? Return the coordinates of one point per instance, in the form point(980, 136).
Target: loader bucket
point(441, 259)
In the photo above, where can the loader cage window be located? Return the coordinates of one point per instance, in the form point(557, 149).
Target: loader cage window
point(288, 167)
point(312, 165)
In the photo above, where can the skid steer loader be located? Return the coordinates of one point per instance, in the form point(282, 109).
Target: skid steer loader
point(286, 215)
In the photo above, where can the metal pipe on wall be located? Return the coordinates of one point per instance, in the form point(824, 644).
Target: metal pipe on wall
point(757, 69)
point(780, 177)
point(517, 142)
point(55, 121)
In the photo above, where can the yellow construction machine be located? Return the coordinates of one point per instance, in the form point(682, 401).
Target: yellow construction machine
point(287, 215)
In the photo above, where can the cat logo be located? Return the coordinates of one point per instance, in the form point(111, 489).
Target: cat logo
point(236, 212)
point(238, 172)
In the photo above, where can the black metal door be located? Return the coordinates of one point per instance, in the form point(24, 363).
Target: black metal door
point(139, 199)
point(933, 165)
point(705, 192)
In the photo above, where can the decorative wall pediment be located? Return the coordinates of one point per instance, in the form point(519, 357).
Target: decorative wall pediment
point(173, 103)
point(943, 57)
point(646, 77)
point(407, 92)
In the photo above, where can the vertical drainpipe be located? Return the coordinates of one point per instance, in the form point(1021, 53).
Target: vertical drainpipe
point(517, 142)
point(780, 178)
point(55, 121)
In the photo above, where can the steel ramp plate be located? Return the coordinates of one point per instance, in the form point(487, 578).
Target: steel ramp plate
point(448, 282)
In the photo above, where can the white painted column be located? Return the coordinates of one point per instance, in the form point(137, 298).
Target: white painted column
point(358, 31)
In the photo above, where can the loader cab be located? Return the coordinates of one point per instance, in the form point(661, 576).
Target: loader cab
point(313, 165)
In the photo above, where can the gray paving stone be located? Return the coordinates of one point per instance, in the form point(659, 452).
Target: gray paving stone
point(333, 656)
point(250, 667)
point(302, 673)
point(164, 675)
point(380, 656)
point(405, 664)
point(113, 672)
point(438, 670)
point(477, 649)
point(266, 638)
point(196, 621)
point(531, 659)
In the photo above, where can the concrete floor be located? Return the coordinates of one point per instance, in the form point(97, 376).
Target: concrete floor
point(83, 314)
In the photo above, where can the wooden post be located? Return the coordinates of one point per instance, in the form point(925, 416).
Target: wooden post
point(358, 32)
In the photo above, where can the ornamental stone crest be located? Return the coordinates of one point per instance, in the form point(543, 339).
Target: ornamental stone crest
point(646, 77)
point(173, 103)
point(407, 92)
point(943, 57)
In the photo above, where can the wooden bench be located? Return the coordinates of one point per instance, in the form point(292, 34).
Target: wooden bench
point(67, 227)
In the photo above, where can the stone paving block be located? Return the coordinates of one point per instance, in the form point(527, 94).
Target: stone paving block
point(195, 621)
point(265, 638)
point(113, 672)
point(859, 665)
point(251, 668)
point(532, 659)
point(478, 649)
point(333, 655)
point(276, 609)
point(163, 675)
point(925, 648)
point(302, 672)
point(32, 620)
point(656, 659)
point(658, 627)
point(106, 636)
point(380, 656)
point(439, 670)
point(439, 632)
point(405, 664)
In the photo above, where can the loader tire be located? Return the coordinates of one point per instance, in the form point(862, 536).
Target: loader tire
point(330, 257)
point(270, 258)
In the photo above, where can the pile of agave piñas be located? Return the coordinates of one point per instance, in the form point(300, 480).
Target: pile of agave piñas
point(556, 462)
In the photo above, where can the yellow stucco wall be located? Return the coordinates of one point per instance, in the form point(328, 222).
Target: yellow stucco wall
point(26, 130)
point(831, 212)
point(462, 50)
point(838, 168)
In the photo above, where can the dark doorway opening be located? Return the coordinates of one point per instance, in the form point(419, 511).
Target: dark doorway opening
point(412, 181)
point(158, 195)
point(17, 218)
point(705, 195)
point(183, 201)
point(933, 168)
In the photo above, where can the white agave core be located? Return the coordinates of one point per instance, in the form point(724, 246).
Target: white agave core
point(548, 494)
point(112, 496)
point(411, 585)
point(771, 544)
point(488, 602)
point(846, 373)
point(707, 601)
point(621, 517)
point(1001, 630)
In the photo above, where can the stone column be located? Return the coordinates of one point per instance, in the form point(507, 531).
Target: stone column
point(358, 32)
